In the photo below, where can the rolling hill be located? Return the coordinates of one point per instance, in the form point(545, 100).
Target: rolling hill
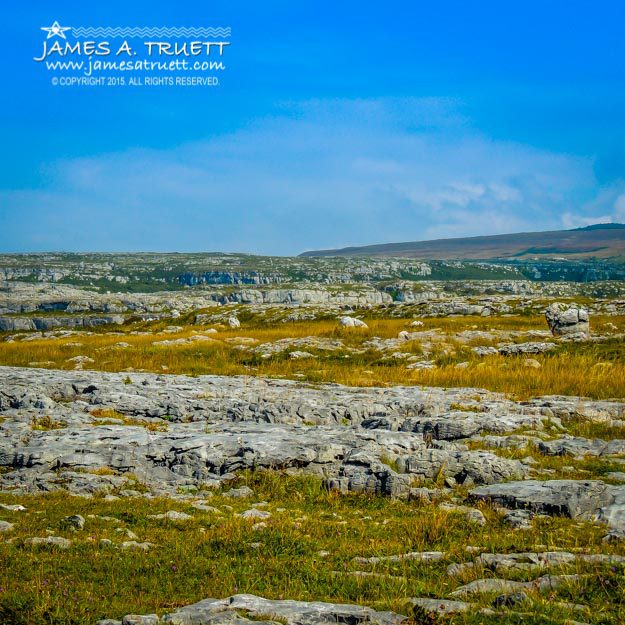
point(602, 241)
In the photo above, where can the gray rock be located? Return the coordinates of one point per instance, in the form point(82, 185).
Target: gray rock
point(218, 426)
point(502, 563)
point(518, 519)
point(292, 612)
point(298, 355)
point(487, 586)
point(506, 586)
point(233, 322)
point(75, 520)
point(172, 515)
point(351, 322)
point(137, 619)
point(16, 507)
point(253, 513)
point(572, 498)
point(485, 350)
point(473, 515)
point(514, 349)
point(419, 556)
point(576, 446)
point(457, 569)
point(55, 541)
point(441, 606)
point(566, 320)
point(133, 544)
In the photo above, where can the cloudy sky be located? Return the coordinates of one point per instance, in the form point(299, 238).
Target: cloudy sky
point(332, 126)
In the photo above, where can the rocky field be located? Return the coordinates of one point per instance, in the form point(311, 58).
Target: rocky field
point(339, 453)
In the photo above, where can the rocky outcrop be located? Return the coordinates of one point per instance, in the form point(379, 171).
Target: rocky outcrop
point(189, 454)
point(210, 399)
point(201, 431)
point(257, 610)
point(514, 349)
point(584, 499)
point(566, 320)
point(308, 296)
point(577, 446)
point(15, 324)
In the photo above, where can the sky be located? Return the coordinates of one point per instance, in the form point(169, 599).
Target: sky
point(333, 124)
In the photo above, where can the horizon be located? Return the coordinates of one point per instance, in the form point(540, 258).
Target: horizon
point(597, 226)
point(334, 127)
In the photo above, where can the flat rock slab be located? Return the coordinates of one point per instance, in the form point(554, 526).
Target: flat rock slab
point(506, 586)
point(188, 455)
point(216, 426)
point(585, 499)
point(212, 612)
point(441, 606)
point(576, 446)
point(370, 440)
point(418, 556)
point(219, 398)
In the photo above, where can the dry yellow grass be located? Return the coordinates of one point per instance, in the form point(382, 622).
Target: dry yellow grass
point(592, 370)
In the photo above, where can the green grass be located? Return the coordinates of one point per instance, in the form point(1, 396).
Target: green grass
point(216, 556)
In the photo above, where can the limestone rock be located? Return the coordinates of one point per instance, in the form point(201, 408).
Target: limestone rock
point(441, 606)
point(352, 322)
point(214, 611)
point(75, 520)
point(172, 515)
point(565, 320)
point(572, 498)
point(56, 541)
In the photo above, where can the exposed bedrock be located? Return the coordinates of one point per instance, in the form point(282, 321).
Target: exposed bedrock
point(85, 431)
point(583, 499)
point(257, 610)
point(59, 423)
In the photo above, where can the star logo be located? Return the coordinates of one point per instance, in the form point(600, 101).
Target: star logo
point(56, 30)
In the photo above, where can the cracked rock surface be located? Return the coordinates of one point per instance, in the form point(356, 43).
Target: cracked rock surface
point(214, 427)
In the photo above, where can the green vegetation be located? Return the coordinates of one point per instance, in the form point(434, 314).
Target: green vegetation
point(304, 551)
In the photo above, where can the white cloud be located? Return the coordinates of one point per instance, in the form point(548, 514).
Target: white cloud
point(322, 174)
point(619, 207)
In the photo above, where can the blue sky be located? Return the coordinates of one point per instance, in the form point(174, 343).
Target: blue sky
point(335, 123)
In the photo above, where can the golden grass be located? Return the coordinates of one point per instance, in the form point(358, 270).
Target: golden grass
point(587, 370)
point(46, 422)
point(108, 416)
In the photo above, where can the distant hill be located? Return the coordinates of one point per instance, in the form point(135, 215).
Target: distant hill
point(605, 241)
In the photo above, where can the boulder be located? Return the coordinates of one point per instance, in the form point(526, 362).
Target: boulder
point(572, 498)
point(566, 320)
point(233, 322)
point(352, 322)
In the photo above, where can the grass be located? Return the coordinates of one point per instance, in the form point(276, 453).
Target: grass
point(46, 422)
point(595, 370)
point(108, 416)
point(307, 548)
point(218, 555)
